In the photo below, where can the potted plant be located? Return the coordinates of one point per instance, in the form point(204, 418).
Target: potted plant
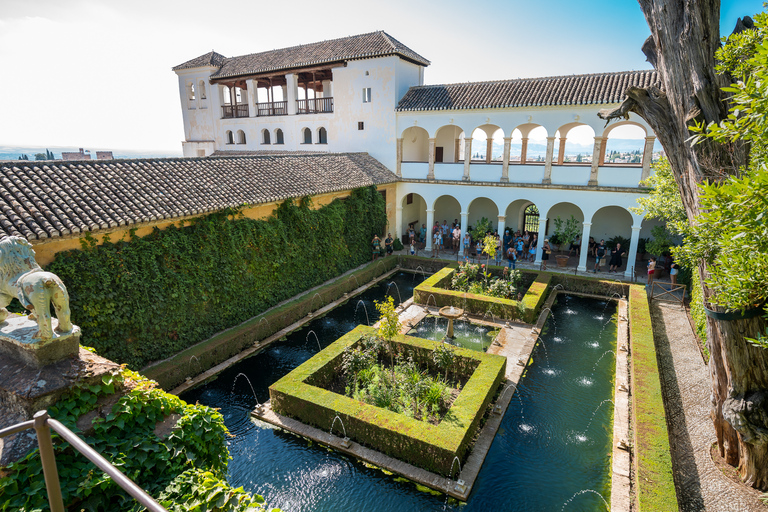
point(641, 243)
point(565, 232)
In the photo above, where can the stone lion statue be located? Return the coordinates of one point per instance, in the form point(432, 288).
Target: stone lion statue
point(36, 289)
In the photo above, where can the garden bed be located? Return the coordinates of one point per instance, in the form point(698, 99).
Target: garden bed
point(303, 394)
point(533, 286)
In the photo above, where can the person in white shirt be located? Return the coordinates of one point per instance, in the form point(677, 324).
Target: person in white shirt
point(437, 238)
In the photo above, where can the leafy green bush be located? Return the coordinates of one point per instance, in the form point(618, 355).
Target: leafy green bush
point(126, 438)
point(146, 298)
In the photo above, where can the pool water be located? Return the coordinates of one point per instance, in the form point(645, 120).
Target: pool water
point(466, 334)
point(548, 448)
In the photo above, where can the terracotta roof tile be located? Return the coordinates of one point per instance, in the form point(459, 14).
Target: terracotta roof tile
point(526, 92)
point(49, 200)
point(374, 44)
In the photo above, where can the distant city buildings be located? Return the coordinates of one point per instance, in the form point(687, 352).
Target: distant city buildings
point(86, 155)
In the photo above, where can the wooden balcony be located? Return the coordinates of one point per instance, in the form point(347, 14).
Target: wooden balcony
point(314, 106)
point(272, 108)
point(230, 111)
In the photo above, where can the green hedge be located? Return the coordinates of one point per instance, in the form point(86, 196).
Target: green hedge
point(428, 446)
point(146, 298)
point(437, 286)
point(220, 347)
point(653, 476)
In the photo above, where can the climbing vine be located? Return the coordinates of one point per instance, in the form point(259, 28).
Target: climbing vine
point(143, 299)
point(190, 461)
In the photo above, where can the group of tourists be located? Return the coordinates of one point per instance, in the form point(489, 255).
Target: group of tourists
point(379, 250)
point(657, 265)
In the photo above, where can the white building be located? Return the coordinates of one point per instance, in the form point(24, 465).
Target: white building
point(366, 93)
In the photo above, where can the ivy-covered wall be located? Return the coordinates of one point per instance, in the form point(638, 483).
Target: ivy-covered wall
point(144, 299)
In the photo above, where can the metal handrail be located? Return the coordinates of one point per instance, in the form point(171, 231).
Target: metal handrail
point(42, 423)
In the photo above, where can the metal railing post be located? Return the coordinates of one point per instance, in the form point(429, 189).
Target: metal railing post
point(48, 459)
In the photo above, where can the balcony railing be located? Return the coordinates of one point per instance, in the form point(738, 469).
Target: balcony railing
point(314, 106)
point(230, 111)
point(273, 108)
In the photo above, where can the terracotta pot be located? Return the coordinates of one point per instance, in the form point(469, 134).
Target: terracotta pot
point(562, 260)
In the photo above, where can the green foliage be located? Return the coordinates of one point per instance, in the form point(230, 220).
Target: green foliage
point(565, 232)
point(655, 482)
point(126, 438)
point(618, 239)
point(140, 300)
point(663, 240)
point(476, 279)
point(444, 357)
point(397, 245)
point(196, 490)
point(663, 201)
point(389, 323)
point(482, 227)
point(490, 247)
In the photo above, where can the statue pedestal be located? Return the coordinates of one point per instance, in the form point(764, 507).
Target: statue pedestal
point(17, 342)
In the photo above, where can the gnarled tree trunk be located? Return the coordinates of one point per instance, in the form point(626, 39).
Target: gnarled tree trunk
point(682, 45)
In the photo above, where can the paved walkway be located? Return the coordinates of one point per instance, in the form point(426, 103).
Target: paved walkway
point(686, 385)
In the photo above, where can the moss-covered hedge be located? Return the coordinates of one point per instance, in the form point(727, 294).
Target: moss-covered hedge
point(220, 347)
point(653, 464)
point(428, 446)
point(439, 283)
point(146, 298)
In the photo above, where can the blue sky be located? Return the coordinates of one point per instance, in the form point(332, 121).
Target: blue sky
point(98, 74)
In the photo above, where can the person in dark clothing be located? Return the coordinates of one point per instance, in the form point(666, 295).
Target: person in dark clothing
point(599, 254)
point(616, 255)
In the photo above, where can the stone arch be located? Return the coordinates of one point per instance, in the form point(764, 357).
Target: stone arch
point(611, 220)
point(564, 210)
point(306, 136)
point(483, 207)
point(415, 144)
point(447, 208)
point(241, 137)
point(630, 150)
point(201, 89)
point(579, 143)
point(517, 214)
point(230, 137)
point(481, 146)
point(265, 138)
point(449, 138)
point(535, 143)
point(279, 137)
point(414, 212)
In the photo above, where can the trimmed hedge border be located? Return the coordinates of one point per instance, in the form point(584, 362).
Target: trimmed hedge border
point(225, 344)
point(655, 487)
point(432, 447)
point(475, 304)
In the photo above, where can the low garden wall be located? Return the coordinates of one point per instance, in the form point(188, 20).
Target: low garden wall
point(526, 310)
point(431, 447)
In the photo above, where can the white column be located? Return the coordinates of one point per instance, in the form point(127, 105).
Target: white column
point(292, 84)
point(548, 162)
point(524, 150)
point(464, 224)
point(584, 247)
point(542, 237)
point(431, 173)
point(505, 159)
point(502, 225)
point(399, 222)
point(647, 157)
point(253, 97)
point(399, 157)
point(488, 150)
point(595, 161)
point(632, 251)
point(430, 225)
point(467, 157)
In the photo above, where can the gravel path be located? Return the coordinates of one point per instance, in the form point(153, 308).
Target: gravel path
point(685, 383)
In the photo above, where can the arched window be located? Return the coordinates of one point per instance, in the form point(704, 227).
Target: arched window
point(230, 137)
point(265, 137)
point(191, 91)
point(531, 219)
point(322, 136)
point(240, 137)
point(307, 136)
point(279, 136)
point(201, 89)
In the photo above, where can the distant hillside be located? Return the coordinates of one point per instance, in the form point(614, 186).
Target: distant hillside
point(14, 152)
